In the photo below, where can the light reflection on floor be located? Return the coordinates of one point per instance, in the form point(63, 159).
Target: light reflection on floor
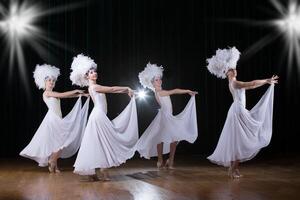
point(138, 179)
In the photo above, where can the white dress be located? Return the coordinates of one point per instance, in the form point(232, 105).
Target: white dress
point(57, 133)
point(168, 128)
point(107, 143)
point(245, 132)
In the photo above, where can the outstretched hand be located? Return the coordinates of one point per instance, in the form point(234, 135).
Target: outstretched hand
point(130, 92)
point(273, 79)
point(193, 93)
point(79, 91)
point(86, 94)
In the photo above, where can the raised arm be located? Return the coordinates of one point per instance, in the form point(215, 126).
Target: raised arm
point(69, 94)
point(177, 91)
point(255, 83)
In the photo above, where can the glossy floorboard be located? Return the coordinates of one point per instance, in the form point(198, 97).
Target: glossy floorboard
point(138, 179)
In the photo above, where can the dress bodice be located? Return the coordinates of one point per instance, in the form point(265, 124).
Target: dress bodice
point(53, 104)
point(99, 99)
point(165, 103)
point(238, 94)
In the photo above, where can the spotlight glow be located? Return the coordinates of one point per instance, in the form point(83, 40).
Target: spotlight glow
point(18, 26)
point(141, 94)
point(290, 23)
point(289, 26)
point(19, 22)
point(286, 25)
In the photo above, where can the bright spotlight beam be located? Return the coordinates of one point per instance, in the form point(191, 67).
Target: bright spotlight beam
point(287, 26)
point(141, 94)
point(18, 25)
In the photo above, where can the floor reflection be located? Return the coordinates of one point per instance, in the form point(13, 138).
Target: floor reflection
point(22, 181)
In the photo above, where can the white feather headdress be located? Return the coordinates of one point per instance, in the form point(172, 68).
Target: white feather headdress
point(42, 72)
point(80, 66)
point(151, 71)
point(224, 60)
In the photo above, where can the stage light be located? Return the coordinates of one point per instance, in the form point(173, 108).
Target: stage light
point(290, 23)
point(141, 94)
point(287, 25)
point(18, 25)
point(19, 22)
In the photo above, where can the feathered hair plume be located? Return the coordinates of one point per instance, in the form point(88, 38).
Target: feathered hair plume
point(80, 66)
point(42, 72)
point(149, 73)
point(224, 60)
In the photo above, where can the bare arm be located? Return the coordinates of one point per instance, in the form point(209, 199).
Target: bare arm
point(113, 89)
point(69, 94)
point(249, 85)
point(78, 95)
point(255, 83)
point(176, 91)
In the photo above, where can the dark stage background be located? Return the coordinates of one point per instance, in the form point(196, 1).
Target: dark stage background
point(123, 36)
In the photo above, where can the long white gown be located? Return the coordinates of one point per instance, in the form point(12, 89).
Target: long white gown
point(106, 143)
point(168, 128)
point(245, 132)
point(57, 133)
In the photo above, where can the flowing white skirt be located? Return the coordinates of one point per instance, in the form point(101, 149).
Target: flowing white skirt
point(107, 143)
point(245, 132)
point(56, 133)
point(168, 128)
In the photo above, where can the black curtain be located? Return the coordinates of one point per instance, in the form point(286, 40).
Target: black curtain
point(122, 36)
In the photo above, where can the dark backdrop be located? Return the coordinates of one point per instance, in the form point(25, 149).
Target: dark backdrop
point(123, 35)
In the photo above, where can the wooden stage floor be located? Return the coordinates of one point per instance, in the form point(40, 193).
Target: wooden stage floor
point(138, 179)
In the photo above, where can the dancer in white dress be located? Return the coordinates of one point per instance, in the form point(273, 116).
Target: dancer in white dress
point(56, 137)
point(245, 132)
point(166, 130)
point(105, 143)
